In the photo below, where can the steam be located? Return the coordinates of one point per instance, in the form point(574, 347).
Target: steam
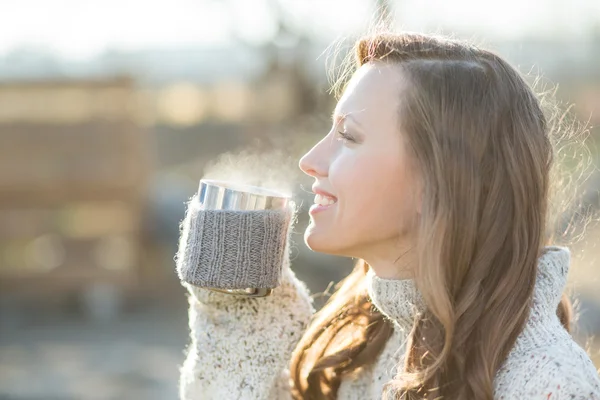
point(258, 165)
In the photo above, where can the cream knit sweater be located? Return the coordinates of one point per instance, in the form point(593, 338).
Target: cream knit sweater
point(240, 347)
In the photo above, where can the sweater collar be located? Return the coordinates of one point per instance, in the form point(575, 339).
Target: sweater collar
point(400, 300)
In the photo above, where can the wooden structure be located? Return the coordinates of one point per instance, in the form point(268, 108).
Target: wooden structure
point(74, 167)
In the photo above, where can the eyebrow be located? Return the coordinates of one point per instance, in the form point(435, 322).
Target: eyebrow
point(339, 117)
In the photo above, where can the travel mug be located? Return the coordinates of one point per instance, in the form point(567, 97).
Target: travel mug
point(239, 238)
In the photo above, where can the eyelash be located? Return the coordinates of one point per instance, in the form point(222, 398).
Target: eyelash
point(345, 136)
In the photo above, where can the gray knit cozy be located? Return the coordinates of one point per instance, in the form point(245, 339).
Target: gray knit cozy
point(229, 249)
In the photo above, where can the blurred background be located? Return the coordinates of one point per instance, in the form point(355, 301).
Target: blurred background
point(110, 113)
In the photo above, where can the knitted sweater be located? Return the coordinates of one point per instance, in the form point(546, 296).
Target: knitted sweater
point(240, 347)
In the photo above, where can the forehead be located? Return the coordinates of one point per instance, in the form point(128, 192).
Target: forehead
point(372, 92)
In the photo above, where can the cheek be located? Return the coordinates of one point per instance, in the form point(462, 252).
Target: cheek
point(375, 194)
point(375, 204)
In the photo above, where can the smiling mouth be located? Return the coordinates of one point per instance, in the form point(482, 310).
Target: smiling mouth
point(317, 208)
point(322, 200)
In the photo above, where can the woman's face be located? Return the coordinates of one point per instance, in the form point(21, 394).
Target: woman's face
point(366, 169)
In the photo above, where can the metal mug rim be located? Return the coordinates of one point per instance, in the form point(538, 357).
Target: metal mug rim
point(252, 189)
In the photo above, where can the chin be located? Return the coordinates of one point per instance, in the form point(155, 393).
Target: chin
point(312, 241)
point(316, 241)
point(320, 242)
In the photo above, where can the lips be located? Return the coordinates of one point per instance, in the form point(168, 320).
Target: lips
point(318, 190)
point(317, 208)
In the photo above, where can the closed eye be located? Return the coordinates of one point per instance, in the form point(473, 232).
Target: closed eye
point(346, 136)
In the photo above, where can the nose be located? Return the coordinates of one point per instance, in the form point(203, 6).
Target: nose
point(314, 163)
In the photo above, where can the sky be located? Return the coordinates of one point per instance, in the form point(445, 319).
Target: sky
point(84, 28)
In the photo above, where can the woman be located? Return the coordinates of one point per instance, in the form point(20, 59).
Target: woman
point(435, 175)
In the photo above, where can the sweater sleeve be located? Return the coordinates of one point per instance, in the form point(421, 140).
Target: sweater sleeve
point(240, 347)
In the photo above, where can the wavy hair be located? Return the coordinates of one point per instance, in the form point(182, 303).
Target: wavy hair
point(482, 144)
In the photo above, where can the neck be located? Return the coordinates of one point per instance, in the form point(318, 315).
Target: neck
point(398, 262)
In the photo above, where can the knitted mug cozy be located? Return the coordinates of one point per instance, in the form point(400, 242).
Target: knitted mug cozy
point(230, 249)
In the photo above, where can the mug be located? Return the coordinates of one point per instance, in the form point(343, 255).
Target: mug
point(227, 195)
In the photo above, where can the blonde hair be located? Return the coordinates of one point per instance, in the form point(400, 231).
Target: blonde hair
point(482, 144)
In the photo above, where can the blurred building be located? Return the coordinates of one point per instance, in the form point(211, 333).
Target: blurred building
point(74, 167)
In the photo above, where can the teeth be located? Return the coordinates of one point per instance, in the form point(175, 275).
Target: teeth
point(323, 200)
